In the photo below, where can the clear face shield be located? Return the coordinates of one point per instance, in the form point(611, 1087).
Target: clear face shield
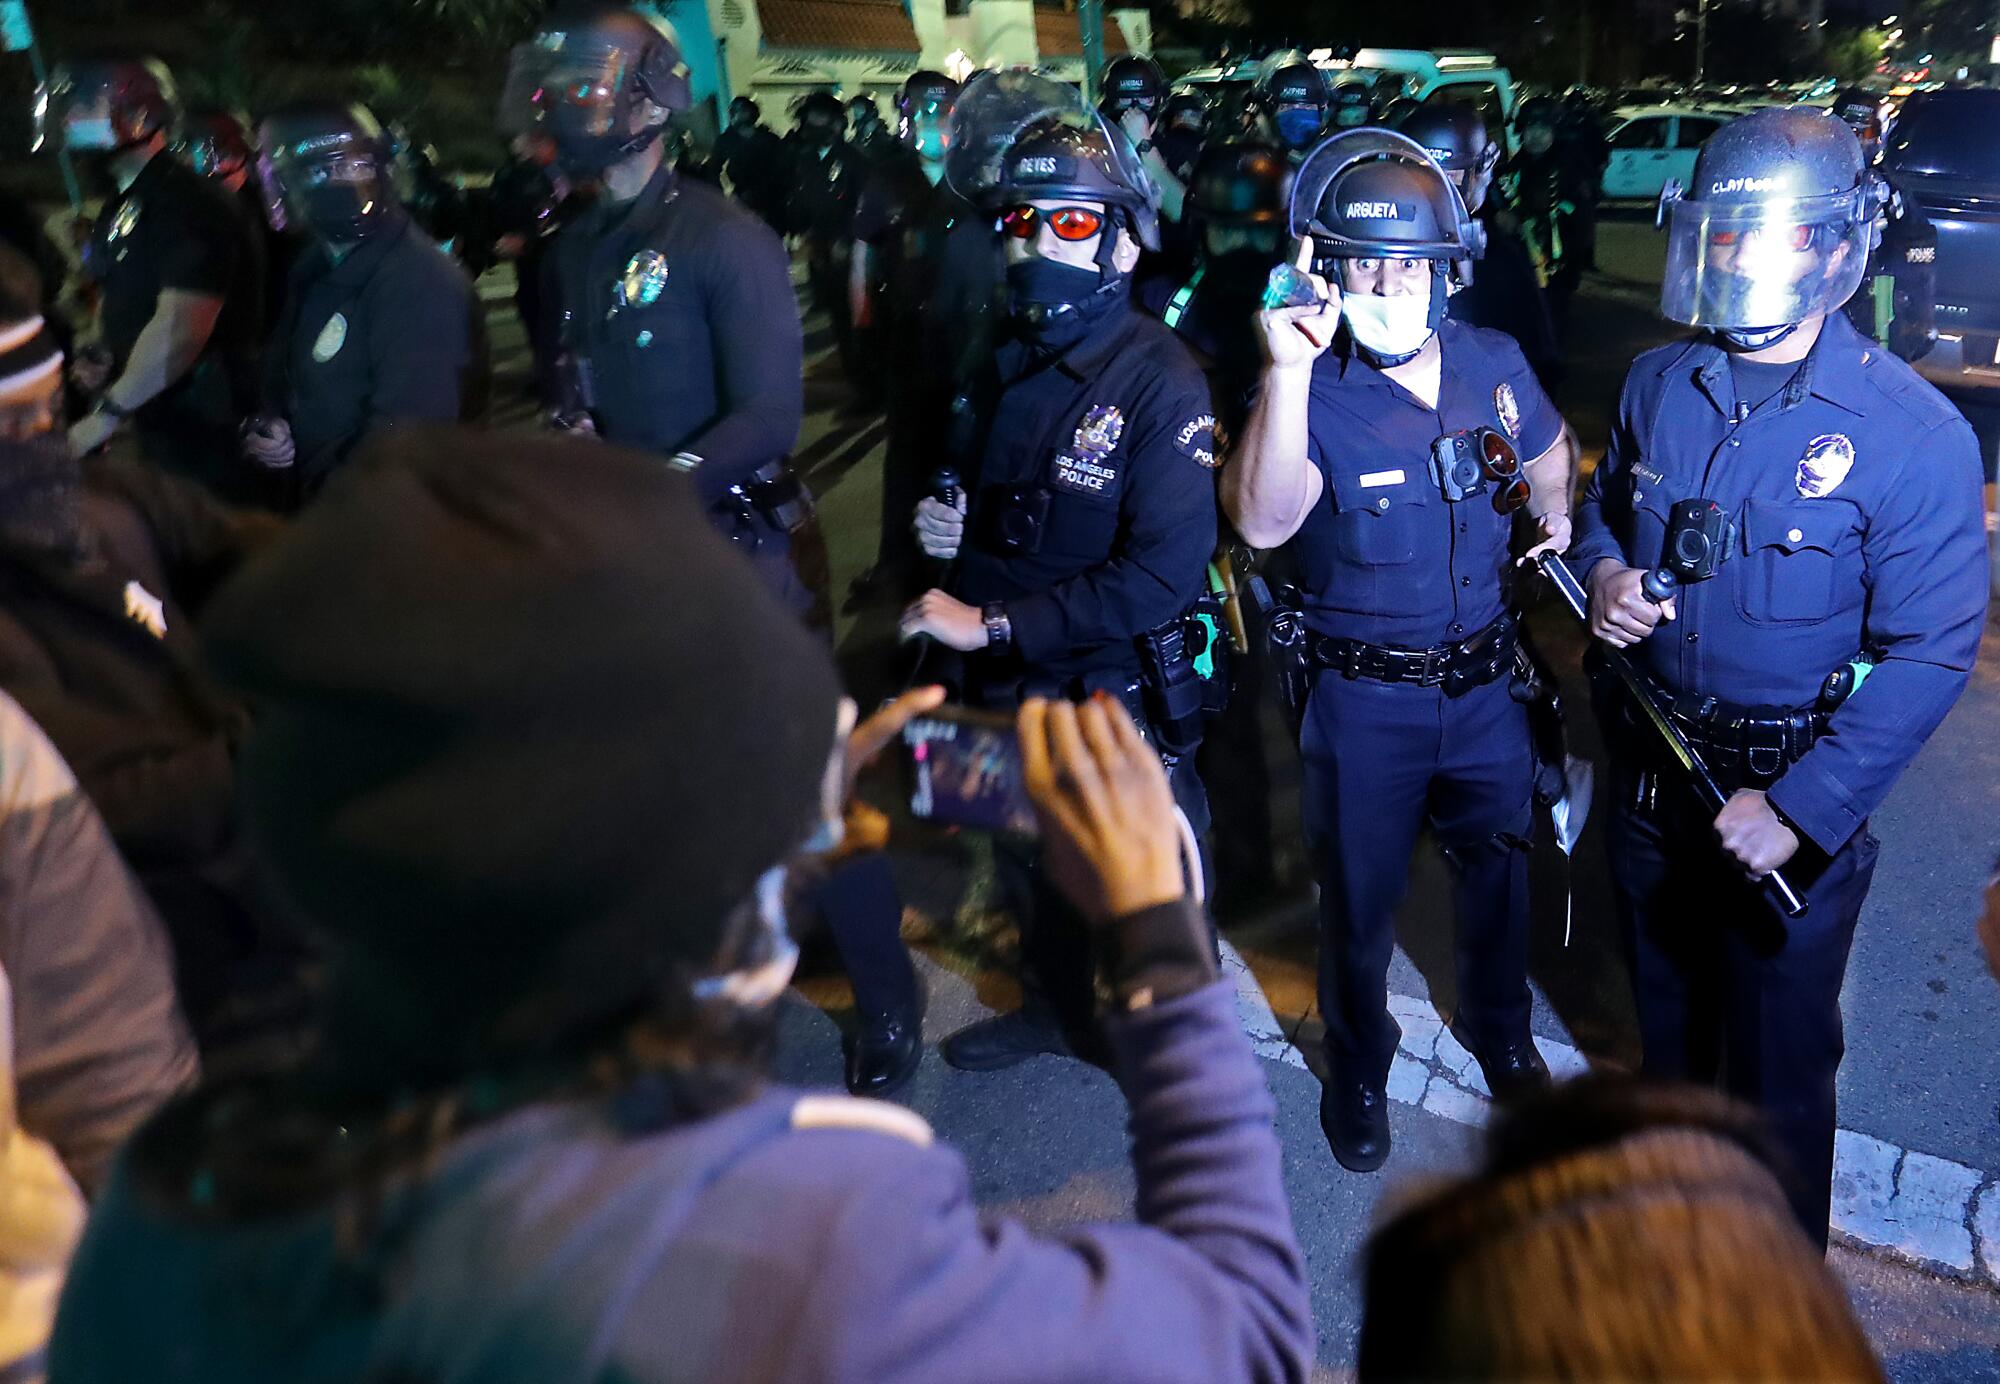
point(1746, 266)
point(74, 117)
point(553, 80)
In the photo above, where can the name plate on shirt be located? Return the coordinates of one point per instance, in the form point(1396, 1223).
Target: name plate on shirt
point(1375, 480)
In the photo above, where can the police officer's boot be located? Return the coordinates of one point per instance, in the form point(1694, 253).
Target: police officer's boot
point(1354, 1116)
point(1007, 1039)
point(1511, 1072)
point(885, 1052)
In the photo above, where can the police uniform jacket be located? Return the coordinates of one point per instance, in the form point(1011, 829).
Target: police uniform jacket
point(391, 332)
point(680, 304)
point(819, 204)
point(1116, 438)
point(1385, 559)
point(174, 229)
point(1856, 524)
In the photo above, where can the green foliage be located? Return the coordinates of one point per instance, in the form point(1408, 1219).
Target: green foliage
point(1851, 54)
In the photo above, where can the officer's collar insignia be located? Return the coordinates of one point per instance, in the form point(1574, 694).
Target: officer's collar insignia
point(1097, 435)
point(142, 607)
point(1509, 409)
point(126, 221)
point(1825, 465)
point(331, 338)
point(644, 279)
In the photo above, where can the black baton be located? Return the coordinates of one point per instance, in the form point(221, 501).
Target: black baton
point(1705, 786)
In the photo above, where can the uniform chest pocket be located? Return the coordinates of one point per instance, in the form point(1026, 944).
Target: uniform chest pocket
point(1379, 521)
point(1790, 559)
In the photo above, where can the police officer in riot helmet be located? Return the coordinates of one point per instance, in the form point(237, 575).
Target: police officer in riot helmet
point(1504, 295)
point(1236, 209)
point(1134, 98)
point(1785, 535)
point(1353, 106)
point(218, 145)
point(378, 327)
point(1181, 129)
point(868, 133)
point(1295, 100)
point(1552, 198)
point(752, 156)
point(180, 291)
point(1398, 465)
point(1864, 112)
point(682, 338)
point(925, 266)
point(1085, 516)
point(824, 181)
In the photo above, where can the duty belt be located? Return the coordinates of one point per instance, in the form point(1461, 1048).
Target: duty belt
point(1744, 743)
point(774, 491)
point(1458, 668)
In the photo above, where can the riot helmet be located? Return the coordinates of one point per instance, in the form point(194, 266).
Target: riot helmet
point(863, 115)
point(1236, 193)
point(1132, 82)
point(104, 105)
point(1295, 95)
point(328, 167)
point(1377, 195)
point(1352, 107)
point(216, 144)
point(1862, 110)
point(923, 112)
point(1536, 121)
point(586, 79)
point(1018, 138)
point(822, 119)
point(1776, 229)
point(1454, 135)
point(1184, 110)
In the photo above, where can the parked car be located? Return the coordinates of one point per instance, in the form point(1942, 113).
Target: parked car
point(1943, 156)
point(1473, 78)
point(1651, 145)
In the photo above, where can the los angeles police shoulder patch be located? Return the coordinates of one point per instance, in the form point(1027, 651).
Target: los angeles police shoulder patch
point(1195, 439)
point(1825, 465)
point(1509, 410)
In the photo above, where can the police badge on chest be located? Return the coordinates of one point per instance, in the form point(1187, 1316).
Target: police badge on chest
point(1085, 468)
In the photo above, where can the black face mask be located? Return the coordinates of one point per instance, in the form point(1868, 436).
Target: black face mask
point(1056, 305)
point(586, 152)
point(344, 212)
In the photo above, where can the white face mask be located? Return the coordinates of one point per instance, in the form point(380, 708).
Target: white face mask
point(1389, 326)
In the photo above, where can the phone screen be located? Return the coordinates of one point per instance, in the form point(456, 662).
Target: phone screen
point(965, 770)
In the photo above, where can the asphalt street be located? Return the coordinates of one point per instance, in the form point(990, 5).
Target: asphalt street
point(1045, 1141)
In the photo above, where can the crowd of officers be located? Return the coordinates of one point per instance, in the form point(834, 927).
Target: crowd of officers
point(1119, 350)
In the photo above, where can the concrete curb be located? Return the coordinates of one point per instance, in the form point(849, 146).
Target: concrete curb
point(1932, 1212)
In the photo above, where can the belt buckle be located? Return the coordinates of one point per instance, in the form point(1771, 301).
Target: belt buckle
point(1436, 666)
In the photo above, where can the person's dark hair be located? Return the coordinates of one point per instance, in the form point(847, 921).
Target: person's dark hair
point(1618, 1230)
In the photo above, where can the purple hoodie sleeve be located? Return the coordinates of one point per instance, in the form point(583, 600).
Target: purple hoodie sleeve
point(1210, 1286)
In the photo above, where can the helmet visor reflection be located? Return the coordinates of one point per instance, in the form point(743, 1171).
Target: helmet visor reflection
point(1741, 266)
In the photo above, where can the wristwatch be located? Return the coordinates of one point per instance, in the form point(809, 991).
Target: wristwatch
point(999, 629)
point(111, 408)
point(1143, 147)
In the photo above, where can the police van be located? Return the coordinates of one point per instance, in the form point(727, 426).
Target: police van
point(1447, 74)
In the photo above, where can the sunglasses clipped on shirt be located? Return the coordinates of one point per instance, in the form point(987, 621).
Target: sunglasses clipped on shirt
point(1069, 223)
point(1502, 465)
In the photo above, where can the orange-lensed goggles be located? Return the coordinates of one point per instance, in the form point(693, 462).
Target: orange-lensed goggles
point(1796, 238)
point(1069, 223)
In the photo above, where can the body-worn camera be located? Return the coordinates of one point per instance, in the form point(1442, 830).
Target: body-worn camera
point(1019, 518)
point(1697, 540)
point(1455, 467)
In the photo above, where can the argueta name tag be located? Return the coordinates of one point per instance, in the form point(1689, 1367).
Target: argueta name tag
point(1374, 480)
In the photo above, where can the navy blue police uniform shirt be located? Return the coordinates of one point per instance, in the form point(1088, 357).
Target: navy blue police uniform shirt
point(1856, 523)
point(1386, 560)
point(392, 332)
point(681, 301)
point(1118, 434)
point(174, 229)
